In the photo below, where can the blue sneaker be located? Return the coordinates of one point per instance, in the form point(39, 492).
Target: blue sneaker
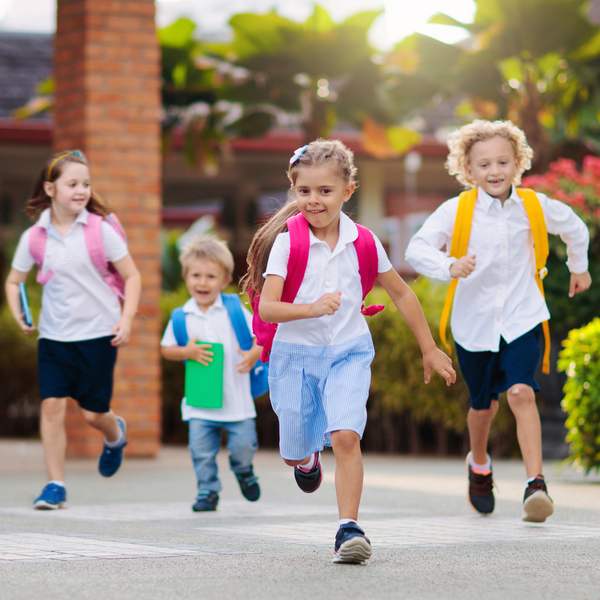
point(111, 458)
point(52, 496)
point(351, 545)
point(249, 484)
point(206, 502)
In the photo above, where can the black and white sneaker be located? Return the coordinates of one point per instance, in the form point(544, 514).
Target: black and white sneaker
point(249, 484)
point(309, 481)
point(481, 495)
point(352, 546)
point(537, 505)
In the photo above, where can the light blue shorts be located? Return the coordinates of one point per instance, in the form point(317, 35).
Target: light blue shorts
point(315, 390)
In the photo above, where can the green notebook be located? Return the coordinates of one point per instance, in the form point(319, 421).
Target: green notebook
point(204, 385)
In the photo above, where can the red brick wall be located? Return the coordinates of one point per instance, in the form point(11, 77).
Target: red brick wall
point(107, 72)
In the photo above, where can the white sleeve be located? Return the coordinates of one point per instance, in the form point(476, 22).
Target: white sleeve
point(383, 262)
point(168, 339)
point(279, 256)
point(423, 252)
point(114, 247)
point(562, 220)
point(22, 260)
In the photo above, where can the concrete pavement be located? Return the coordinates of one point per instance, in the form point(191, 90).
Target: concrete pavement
point(135, 536)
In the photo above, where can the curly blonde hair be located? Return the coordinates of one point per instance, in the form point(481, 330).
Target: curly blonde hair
point(462, 140)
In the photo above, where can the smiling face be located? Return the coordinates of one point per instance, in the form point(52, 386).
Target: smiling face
point(205, 280)
point(321, 193)
point(492, 164)
point(71, 192)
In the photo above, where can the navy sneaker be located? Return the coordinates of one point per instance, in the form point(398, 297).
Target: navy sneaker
point(206, 501)
point(111, 458)
point(309, 481)
point(249, 484)
point(537, 505)
point(351, 545)
point(481, 496)
point(52, 496)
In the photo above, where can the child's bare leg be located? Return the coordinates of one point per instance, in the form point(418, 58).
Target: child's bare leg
point(54, 437)
point(521, 399)
point(106, 423)
point(479, 422)
point(348, 472)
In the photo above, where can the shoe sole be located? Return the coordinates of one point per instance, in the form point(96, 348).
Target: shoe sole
point(469, 495)
point(537, 508)
point(355, 551)
point(43, 505)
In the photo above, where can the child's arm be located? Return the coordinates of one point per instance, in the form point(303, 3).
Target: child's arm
point(14, 299)
point(133, 287)
point(408, 305)
point(273, 310)
point(193, 351)
point(249, 358)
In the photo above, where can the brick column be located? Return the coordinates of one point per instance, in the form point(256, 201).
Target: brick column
point(107, 72)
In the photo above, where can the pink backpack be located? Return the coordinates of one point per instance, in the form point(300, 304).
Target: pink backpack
point(368, 261)
point(95, 246)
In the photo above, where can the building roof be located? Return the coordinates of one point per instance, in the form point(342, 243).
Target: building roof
point(25, 61)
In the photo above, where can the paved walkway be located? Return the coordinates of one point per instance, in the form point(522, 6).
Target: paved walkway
point(134, 535)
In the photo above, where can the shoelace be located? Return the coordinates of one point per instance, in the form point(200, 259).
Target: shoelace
point(481, 485)
point(537, 484)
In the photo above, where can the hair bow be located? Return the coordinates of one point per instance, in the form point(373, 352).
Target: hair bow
point(297, 154)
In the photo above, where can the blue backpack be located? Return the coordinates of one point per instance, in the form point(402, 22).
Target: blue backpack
point(259, 376)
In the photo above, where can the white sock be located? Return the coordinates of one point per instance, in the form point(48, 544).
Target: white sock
point(531, 479)
point(481, 468)
point(345, 521)
point(311, 464)
point(117, 442)
point(57, 482)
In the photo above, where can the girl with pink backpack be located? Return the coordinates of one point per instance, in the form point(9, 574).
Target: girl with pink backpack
point(86, 269)
point(310, 269)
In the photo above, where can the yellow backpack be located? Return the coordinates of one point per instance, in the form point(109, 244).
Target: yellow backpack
point(460, 241)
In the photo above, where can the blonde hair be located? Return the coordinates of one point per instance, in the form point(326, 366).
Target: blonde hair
point(461, 142)
point(318, 153)
point(208, 247)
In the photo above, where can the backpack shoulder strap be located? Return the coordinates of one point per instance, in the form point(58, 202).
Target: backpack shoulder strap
point(95, 244)
point(38, 236)
point(458, 249)
point(537, 222)
point(179, 328)
point(233, 304)
point(116, 225)
point(368, 261)
point(298, 259)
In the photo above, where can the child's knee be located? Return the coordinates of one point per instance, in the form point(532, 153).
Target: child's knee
point(520, 396)
point(484, 416)
point(345, 441)
point(53, 408)
point(293, 463)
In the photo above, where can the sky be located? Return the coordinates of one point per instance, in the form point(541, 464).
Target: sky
point(401, 17)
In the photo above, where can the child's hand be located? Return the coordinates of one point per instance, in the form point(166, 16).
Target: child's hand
point(199, 352)
point(463, 267)
point(579, 283)
point(327, 304)
point(436, 360)
point(248, 361)
point(26, 329)
point(121, 331)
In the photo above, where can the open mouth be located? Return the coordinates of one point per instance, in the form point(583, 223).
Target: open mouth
point(495, 181)
point(316, 212)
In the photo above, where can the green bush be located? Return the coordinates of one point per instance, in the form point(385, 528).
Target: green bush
point(580, 359)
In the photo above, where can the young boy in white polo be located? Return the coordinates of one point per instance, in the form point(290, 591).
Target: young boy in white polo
point(499, 307)
point(207, 266)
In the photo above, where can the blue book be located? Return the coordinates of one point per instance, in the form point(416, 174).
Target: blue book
point(25, 304)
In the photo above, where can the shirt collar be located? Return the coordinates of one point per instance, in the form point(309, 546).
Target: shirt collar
point(487, 201)
point(347, 235)
point(191, 306)
point(45, 221)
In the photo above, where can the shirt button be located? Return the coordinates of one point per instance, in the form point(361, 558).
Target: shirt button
point(328, 278)
point(503, 272)
point(498, 319)
point(504, 247)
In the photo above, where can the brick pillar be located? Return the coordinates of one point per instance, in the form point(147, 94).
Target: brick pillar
point(107, 72)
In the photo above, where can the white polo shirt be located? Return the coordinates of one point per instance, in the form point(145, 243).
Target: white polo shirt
point(500, 297)
point(327, 271)
point(77, 303)
point(214, 326)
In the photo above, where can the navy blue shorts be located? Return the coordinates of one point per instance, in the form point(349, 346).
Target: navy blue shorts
point(491, 373)
point(79, 370)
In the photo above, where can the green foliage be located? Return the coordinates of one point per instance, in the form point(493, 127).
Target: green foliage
point(580, 360)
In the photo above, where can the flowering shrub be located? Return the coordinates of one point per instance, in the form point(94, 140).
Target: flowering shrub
point(581, 191)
